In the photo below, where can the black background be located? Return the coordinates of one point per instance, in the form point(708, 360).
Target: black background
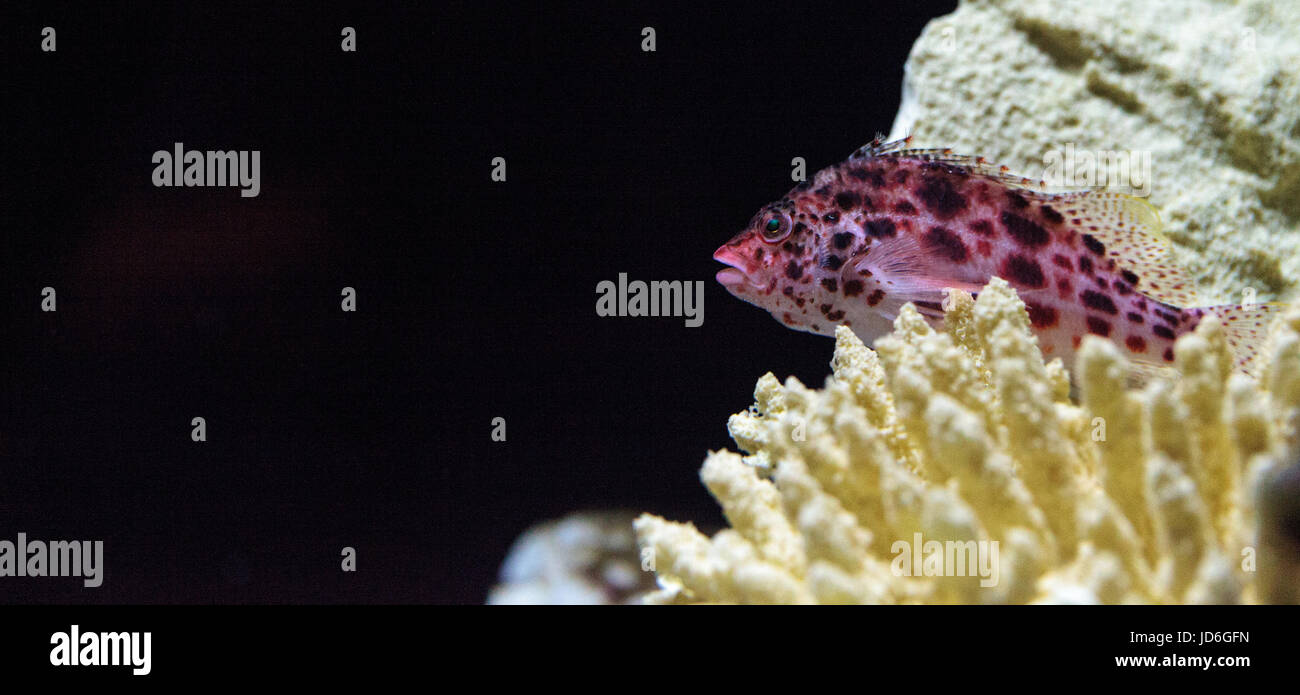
point(908, 644)
point(475, 299)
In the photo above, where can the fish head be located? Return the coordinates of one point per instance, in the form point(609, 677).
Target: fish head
point(753, 254)
point(790, 260)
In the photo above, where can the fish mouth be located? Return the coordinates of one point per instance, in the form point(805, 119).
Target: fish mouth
point(736, 276)
point(730, 277)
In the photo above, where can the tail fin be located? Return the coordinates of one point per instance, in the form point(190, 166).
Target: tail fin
point(1246, 327)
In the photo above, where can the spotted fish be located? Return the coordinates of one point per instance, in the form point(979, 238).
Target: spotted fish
point(892, 225)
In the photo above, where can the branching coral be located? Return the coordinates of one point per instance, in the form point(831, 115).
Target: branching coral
point(1152, 494)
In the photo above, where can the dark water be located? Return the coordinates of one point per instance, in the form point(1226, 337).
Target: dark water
point(475, 299)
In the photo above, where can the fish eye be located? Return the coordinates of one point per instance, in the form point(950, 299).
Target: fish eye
point(775, 227)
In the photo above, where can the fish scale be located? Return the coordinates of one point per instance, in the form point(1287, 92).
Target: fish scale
point(891, 226)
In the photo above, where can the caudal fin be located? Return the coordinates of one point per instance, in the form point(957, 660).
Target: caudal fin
point(1246, 327)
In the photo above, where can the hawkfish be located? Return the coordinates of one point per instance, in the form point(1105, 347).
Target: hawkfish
point(891, 226)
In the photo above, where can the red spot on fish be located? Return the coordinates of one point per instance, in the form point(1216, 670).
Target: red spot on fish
point(879, 228)
point(1051, 215)
point(1162, 331)
point(1085, 264)
point(944, 243)
point(1169, 354)
point(1167, 317)
point(1090, 242)
point(793, 270)
point(1017, 201)
point(852, 288)
point(1041, 315)
point(1023, 271)
point(1075, 340)
point(1099, 326)
point(984, 247)
point(1024, 231)
point(903, 207)
point(1062, 261)
point(830, 284)
point(1098, 301)
point(982, 227)
point(847, 200)
point(940, 197)
point(1136, 343)
point(875, 297)
point(1134, 317)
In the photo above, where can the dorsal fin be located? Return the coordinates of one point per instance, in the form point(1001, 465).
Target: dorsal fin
point(977, 166)
point(1129, 228)
point(878, 146)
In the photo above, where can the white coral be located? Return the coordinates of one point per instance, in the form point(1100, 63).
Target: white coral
point(1131, 495)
